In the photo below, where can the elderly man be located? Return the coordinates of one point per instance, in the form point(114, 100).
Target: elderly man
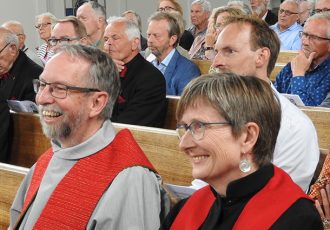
point(68, 30)
point(17, 28)
point(287, 27)
point(91, 178)
point(93, 16)
point(199, 14)
point(322, 6)
point(305, 11)
point(16, 69)
point(247, 46)
point(308, 74)
point(134, 17)
point(259, 7)
point(142, 99)
point(163, 36)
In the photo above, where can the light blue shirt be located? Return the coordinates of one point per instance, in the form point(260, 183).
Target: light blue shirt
point(162, 66)
point(290, 39)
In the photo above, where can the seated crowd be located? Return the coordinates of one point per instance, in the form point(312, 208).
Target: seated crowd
point(253, 152)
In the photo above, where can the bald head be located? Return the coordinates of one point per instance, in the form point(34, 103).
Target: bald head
point(16, 28)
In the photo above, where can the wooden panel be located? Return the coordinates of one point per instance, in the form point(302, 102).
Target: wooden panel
point(276, 70)
point(10, 179)
point(321, 119)
point(160, 146)
point(203, 65)
point(286, 56)
point(170, 119)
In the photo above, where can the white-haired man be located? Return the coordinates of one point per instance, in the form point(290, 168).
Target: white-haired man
point(259, 7)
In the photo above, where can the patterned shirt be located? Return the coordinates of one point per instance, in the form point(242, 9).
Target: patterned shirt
point(312, 88)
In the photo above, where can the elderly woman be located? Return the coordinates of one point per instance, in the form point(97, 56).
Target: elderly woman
point(44, 23)
point(215, 26)
point(228, 127)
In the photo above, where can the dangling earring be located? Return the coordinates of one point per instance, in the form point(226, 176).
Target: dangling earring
point(244, 166)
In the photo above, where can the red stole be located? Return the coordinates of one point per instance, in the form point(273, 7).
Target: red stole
point(73, 201)
point(261, 211)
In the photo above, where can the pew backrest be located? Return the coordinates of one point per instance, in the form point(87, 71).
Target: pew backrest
point(10, 179)
point(321, 119)
point(285, 56)
point(170, 119)
point(160, 146)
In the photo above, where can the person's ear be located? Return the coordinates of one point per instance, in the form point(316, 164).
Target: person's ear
point(135, 43)
point(98, 101)
point(263, 55)
point(249, 137)
point(173, 40)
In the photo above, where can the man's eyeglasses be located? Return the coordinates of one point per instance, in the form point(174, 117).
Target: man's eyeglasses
point(4, 47)
point(322, 10)
point(58, 90)
point(303, 35)
point(166, 8)
point(42, 25)
point(286, 12)
point(196, 128)
point(55, 41)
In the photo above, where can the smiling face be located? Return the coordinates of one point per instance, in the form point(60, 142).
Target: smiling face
point(214, 158)
point(65, 120)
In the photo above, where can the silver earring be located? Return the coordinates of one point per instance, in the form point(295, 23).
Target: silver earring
point(244, 166)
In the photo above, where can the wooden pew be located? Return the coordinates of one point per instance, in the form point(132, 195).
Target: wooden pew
point(172, 103)
point(321, 119)
point(10, 178)
point(160, 146)
point(277, 68)
point(285, 56)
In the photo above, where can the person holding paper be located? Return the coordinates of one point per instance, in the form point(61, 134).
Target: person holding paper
point(228, 125)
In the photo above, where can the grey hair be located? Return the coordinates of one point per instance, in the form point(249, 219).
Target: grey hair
point(102, 74)
point(206, 5)
point(137, 16)
point(322, 15)
point(9, 37)
point(310, 3)
point(98, 8)
point(131, 28)
point(243, 6)
point(50, 15)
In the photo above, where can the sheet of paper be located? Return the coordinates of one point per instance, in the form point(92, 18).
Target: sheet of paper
point(180, 192)
point(22, 106)
point(294, 98)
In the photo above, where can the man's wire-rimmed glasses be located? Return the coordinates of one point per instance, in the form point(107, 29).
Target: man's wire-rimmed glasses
point(58, 90)
point(311, 36)
point(196, 128)
point(4, 47)
point(55, 41)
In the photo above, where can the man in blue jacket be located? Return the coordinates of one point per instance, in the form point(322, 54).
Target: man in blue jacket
point(163, 36)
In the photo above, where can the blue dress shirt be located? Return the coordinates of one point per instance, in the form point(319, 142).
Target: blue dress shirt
point(290, 39)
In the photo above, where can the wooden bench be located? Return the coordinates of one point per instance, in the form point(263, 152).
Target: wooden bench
point(160, 146)
point(10, 178)
point(321, 119)
point(170, 120)
point(285, 56)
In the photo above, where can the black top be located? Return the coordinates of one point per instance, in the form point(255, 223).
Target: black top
point(144, 42)
point(271, 18)
point(18, 86)
point(186, 40)
point(4, 128)
point(226, 210)
point(142, 100)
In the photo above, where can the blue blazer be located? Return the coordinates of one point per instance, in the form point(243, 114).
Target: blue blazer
point(179, 72)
